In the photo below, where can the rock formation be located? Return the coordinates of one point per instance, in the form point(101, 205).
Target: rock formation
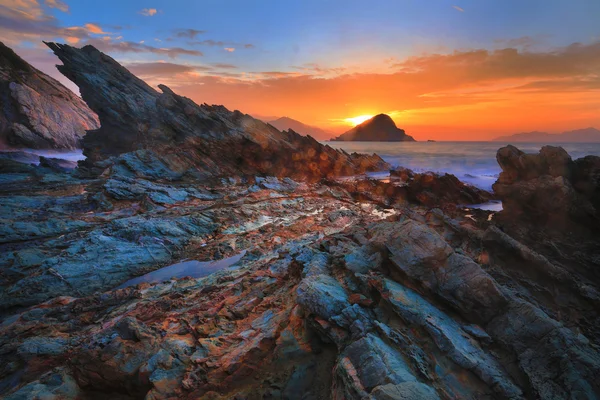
point(380, 128)
point(339, 295)
point(549, 188)
point(189, 139)
point(342, 289)
point(38, 112)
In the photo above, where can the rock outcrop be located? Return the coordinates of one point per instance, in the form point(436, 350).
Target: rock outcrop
point(380, 128)
point(432, 189)
point(188, 139)
point(38, 112)
point(549, 188)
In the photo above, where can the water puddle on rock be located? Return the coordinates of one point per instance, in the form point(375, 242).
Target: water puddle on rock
point(191, 268)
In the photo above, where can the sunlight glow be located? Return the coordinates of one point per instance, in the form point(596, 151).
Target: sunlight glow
point(357, 120)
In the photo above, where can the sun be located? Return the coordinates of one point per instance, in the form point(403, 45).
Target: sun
point(357, 120)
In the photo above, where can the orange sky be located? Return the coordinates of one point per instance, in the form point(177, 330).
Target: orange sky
point(468, 95)
point(471, 71)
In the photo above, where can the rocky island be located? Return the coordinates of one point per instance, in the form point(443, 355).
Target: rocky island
point(380, 128)
point(328, 288)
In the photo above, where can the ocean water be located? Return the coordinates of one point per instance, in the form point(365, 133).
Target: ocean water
point(471, 162)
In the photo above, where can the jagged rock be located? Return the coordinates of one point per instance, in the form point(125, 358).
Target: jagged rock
point(449, 337)
point(202, 141)
point(423, 255)
point(322, 295)
point(38, 111)
point(367, 364)
point(568, 364)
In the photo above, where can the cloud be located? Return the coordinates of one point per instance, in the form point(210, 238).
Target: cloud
point(148, 12)
point(224, 66)
point(133, 47)
point(208, 42)
point(231, 46)
point(316, 69)
point(277, 74)
point(93, 28)
point(478, 65)
point(162, 68)
point(458, 8)
point(25, 20)
point(58, 4)
point(188, 33)
point(229, 49)
point(22, 9)
point(524, 42)
point(468, 93)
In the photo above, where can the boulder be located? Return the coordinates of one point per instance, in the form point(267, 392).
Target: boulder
point(548, 188)
point(432, 189)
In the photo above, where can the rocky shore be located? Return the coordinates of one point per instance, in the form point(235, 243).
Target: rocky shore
point(344, 289)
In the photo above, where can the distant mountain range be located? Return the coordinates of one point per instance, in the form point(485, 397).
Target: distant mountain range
point(380, 128)
point(285, 123)
point(587, 135)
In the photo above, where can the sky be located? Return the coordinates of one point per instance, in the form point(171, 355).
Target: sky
point(444, 70)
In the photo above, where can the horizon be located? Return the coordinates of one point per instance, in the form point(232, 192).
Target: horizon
point(443, 71)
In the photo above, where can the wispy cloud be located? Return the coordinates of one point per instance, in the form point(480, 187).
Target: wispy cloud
point(458, 8)
point(220, 43)
point(58, 4)
point(133, 47)
point(152, 69)
point(188, 33)
point(208, 42)
point(96, 29)
point(229, 49)
point(148, 12)
point(224, 66)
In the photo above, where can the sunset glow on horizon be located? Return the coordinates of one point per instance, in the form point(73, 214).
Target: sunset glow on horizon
point(468, 71)
point(353, 121)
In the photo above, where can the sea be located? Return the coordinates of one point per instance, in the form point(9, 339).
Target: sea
point(471, 162)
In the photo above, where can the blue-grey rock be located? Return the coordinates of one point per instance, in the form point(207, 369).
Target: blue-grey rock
point(322, 295)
